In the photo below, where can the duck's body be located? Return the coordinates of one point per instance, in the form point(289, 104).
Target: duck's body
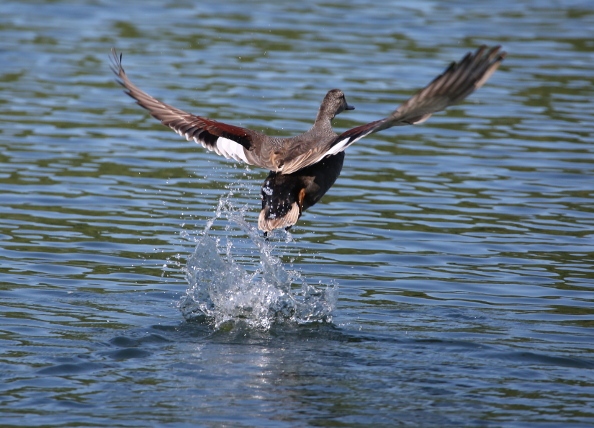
point(304, 167)
point(286, 196)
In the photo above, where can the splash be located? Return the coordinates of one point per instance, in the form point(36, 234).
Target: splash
point(226, 287)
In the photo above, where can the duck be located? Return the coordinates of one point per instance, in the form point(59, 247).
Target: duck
point(304, 167)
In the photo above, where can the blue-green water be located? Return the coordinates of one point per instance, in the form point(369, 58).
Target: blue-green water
point(457, 255)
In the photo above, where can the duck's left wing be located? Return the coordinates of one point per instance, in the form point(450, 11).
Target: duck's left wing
point(232, 142)
point(458, 81)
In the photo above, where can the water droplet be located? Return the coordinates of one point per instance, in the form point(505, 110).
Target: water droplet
point(228, 283)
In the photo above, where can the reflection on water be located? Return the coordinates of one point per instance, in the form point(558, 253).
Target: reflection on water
point(223, 291)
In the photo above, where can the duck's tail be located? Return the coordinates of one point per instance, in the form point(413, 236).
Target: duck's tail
point(282, 202)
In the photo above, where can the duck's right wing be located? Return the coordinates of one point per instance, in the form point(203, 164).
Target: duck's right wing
point(458, 81)
point(232, 142)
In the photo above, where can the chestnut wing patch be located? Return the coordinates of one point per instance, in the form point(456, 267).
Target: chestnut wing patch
point(232, 142)
point(349, 137)
point(458, 81)
point(225, 140)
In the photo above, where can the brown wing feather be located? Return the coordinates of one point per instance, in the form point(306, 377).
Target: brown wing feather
point(452, 86)
point(226, 140)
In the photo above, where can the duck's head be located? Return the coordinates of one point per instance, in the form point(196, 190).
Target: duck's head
point(333, 104)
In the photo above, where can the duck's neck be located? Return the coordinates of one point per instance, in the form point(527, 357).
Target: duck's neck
point(323, 119)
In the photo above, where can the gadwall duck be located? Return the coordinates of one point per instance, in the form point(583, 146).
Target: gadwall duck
point(304, 167)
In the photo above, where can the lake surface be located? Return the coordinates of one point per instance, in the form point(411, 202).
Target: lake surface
point(446, 279)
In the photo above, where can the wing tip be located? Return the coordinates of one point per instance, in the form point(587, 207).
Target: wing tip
point(115, 64)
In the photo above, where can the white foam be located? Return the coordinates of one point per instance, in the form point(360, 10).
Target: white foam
point(257, 290)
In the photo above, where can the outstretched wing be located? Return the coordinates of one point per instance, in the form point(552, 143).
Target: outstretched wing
point(458, 81)
point(229, 141)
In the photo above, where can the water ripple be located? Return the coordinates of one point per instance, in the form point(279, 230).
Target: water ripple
point(462, 248)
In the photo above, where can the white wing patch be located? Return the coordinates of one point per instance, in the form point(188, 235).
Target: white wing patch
point(338, 147)
point(223, 146)
point(230, 149)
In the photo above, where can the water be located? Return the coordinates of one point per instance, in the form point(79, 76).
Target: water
point(458, 253)
point(222, 291)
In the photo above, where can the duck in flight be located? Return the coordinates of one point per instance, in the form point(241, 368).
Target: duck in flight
point(304, 167)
